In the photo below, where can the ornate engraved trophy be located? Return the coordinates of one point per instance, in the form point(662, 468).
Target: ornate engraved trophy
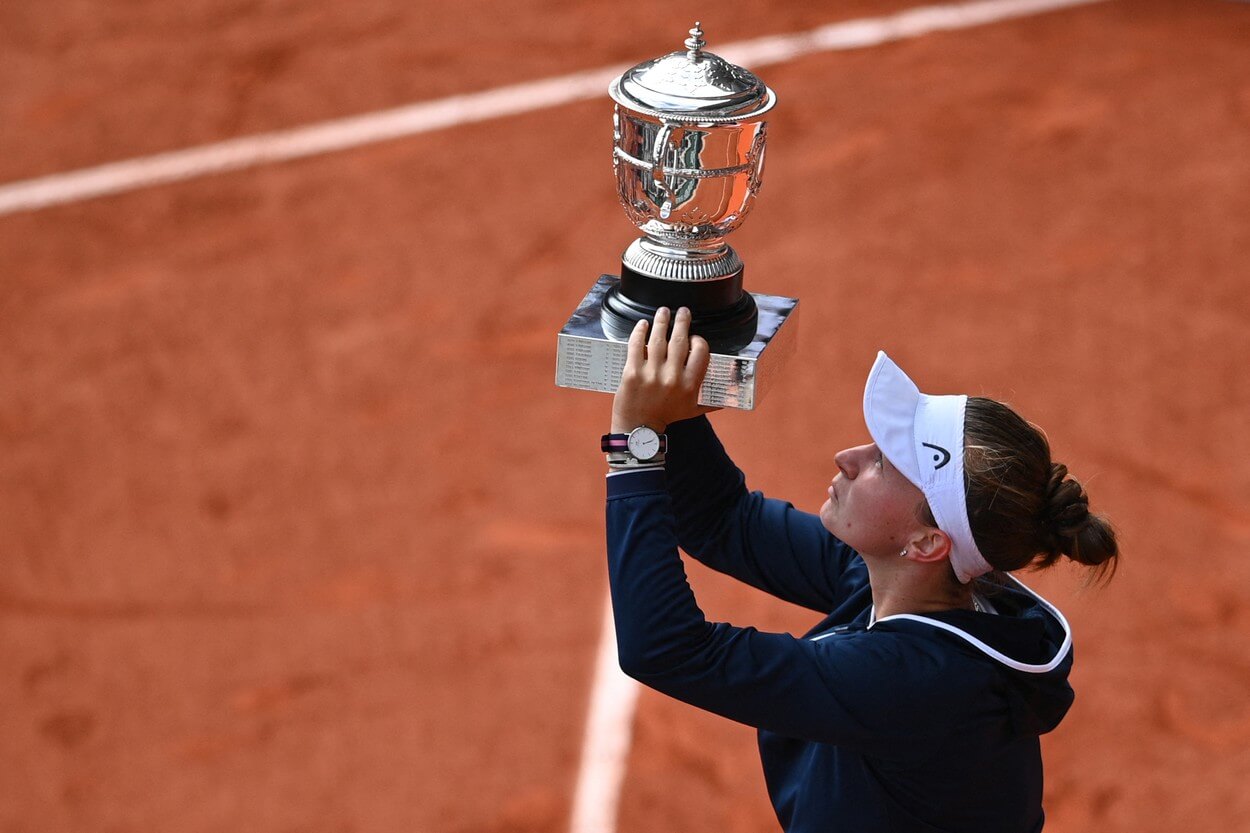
point(689, 157)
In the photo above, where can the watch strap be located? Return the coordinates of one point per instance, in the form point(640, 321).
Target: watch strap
point(620, 442)
point(614, 442)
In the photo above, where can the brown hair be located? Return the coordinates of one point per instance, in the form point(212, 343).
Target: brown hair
point(1023, 508)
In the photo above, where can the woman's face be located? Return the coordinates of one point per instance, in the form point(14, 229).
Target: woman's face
point(871, 505)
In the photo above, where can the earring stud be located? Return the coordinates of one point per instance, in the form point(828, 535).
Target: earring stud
point(904, 552)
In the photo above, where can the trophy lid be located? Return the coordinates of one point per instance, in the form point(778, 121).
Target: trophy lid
point(692, 85)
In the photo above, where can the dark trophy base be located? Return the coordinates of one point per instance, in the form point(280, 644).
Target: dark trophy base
point(589, 357)
point(720, 311)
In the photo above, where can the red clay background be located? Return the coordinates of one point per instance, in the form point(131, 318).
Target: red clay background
point(299, 536)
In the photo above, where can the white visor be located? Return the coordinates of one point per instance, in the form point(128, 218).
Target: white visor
point(923, 437)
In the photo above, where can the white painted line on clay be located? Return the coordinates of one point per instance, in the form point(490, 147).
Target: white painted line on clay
point(605, 745)
point(383, 125)
point(858, 34)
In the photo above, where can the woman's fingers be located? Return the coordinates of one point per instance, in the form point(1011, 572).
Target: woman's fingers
point(696, 364)
point(688, 355)
point(657, 345)
point(679, 356)
point(636, 352)
point(663, 373)
point(679, 342)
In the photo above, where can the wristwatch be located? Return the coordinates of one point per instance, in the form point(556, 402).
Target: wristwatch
point(643, 443)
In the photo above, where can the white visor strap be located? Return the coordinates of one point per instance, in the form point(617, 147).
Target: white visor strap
point(923, 436)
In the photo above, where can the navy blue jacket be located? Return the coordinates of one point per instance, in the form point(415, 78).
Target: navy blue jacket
point(915, 723)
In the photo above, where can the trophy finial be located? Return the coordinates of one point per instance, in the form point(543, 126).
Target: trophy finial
point(695, 42)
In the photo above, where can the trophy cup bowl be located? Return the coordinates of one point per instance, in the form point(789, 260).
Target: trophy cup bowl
point(689, 142)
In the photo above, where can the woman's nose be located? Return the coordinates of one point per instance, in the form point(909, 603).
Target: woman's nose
point(851, 460)
point(845, 461)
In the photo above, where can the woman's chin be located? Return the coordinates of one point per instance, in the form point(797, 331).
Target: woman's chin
point(826, 515)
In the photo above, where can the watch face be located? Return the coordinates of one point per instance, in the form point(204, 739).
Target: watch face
point(643, 443)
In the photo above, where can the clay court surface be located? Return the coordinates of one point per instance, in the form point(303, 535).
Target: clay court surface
point(298, 534)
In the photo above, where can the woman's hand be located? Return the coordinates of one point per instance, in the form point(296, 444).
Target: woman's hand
point(661, 380)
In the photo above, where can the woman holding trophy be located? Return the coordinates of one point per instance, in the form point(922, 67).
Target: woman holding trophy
point(917, 702)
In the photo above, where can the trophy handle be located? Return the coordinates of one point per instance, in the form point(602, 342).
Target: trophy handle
point(657, 168)
point(755, 162)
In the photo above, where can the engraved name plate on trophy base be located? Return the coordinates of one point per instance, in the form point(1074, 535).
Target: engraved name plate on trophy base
point(688, 153)
point(587, 359)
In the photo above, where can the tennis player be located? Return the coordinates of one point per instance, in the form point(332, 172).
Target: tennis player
point(916, 703)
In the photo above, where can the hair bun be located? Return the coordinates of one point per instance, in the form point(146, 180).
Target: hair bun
point(1067, 505)
point(1069, 527)
point(1023, 508)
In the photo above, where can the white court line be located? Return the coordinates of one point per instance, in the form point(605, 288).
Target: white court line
point(380, 126)
point(605, 744)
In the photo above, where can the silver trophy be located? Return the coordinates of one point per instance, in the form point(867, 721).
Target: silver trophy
point(689, 140)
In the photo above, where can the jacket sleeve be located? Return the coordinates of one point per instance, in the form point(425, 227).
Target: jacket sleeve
point(766, 543)
point(848, 691)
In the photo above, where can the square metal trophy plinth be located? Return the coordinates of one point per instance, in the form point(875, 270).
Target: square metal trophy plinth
point(587, 359)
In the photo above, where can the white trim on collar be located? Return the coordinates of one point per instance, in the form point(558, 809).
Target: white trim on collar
point(994, 653)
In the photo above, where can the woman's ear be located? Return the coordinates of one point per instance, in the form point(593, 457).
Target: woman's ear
point(930, 546)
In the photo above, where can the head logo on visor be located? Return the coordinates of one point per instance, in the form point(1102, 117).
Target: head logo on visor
point(941, 458)
point(923, 436)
